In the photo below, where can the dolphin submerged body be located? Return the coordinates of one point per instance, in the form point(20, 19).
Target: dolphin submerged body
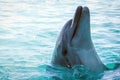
point(74, 45)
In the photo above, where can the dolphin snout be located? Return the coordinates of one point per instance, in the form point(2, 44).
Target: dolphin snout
point(86, 9)
point(77, 16)
point(80, 28)
point(75, 21)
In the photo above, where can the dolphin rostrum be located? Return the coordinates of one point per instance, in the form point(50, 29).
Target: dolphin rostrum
point(74, 45)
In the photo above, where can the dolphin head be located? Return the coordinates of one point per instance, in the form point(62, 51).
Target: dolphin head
point(74, 45)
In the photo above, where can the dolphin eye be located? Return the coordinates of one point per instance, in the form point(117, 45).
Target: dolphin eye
point(64, 52)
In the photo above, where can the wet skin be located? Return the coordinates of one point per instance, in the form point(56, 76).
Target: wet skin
point(74, 45)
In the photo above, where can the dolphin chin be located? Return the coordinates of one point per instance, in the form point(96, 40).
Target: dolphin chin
point(74, 45)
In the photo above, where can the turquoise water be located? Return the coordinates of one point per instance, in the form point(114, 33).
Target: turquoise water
point(29, 30)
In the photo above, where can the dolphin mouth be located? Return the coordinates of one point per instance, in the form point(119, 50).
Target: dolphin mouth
point(76, 20)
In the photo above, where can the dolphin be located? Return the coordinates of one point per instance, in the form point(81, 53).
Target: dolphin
point(74, 45)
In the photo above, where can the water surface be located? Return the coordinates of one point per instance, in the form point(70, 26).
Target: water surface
point(29, 30)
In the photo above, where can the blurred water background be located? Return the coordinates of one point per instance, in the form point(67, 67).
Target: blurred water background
point(29, 30)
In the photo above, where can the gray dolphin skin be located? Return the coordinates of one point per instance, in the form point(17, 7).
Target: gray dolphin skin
point(74, 45)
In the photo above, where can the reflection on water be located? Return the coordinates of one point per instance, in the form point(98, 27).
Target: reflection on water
point(29, 29)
